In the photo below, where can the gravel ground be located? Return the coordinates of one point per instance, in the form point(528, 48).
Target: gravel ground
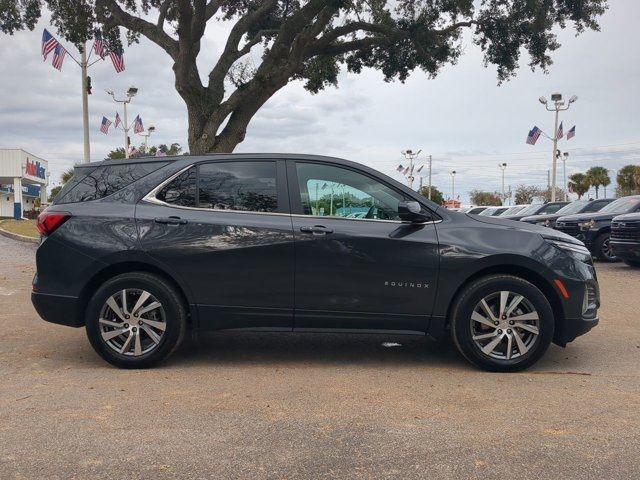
point(285, 406)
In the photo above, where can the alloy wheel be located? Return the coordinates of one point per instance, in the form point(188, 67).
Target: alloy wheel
point(606, 249)
point(504, 325)
point(132, 322)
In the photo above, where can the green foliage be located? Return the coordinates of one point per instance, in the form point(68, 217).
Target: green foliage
point(54, 191)
point(527, 194)
point(579, 184)
point(482, 198)
point(173, 149)
point(627, 180)
point(66, 175)
point(116, 154)
point(436, 195)
point(598, 177)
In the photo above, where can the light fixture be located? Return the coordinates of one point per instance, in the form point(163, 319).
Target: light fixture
point(132, 91)
point(151, 129)
point(556, 97)
point(542, 100)
point(573, 99)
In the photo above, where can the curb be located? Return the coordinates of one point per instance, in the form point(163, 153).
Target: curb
point(20, 238)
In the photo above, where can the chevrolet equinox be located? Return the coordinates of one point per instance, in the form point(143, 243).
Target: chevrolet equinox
point(140, 251)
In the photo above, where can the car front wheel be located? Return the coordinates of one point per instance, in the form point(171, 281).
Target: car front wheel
point(502, 323)
point(135, 320)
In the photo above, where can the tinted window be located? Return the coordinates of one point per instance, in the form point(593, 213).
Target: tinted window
point(595, 206)
point(574, 207)
point(181, 191)
point(327, 190)
point(622, 205)
point(243, 186)
point(106, 180)
point(551, 208)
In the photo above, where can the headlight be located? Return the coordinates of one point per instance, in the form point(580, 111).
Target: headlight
point(579, 252)
point(587, 225)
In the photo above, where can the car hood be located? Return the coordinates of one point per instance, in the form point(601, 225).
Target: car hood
point(540, 218)
point(627, 217)
point(527, 227)
point(585, 217)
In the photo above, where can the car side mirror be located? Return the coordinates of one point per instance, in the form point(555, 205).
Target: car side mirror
point(411, 212)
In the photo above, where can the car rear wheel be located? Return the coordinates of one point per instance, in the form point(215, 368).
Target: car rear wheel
point(603, 248)
point(502, 323)
point(135, 320)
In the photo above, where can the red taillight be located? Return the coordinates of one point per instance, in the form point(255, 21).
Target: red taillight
point(48, 222)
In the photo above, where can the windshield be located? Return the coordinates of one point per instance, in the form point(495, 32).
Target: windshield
point(622, 205)
point(530, 210)
point(511, 210)
point(574, 207)
point(487, 212)
point(550, 208)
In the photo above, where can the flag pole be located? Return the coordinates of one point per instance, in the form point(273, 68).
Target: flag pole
point(85, 104)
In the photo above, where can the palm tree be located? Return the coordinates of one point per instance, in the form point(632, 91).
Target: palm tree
point(598, 177)
point(66, 175)
point(579, 184)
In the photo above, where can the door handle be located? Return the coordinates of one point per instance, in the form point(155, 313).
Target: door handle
point(170, 220)
point(316, 230)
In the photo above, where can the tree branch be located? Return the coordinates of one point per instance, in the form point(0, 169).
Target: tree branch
point(163, 13)
point(112, 15)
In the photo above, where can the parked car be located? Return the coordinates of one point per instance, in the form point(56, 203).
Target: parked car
point(493, 211)
point(594, 229)
point(139, 251)
point(579, 206)
point(537, 209)
point(625, 238)
point(513, 210)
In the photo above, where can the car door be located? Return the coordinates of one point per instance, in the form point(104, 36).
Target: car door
point(224, 228)
point(357, 265)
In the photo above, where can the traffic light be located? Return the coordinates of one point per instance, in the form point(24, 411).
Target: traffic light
point(88, 85)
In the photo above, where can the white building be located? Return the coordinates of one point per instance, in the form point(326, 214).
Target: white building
point(23, 178)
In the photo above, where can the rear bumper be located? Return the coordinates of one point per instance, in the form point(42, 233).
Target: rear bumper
point(626, 250)
point(58, 309)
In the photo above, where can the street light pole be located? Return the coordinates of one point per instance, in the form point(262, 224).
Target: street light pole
point(453, 184)
point(125, 125)
point(410, 155)
point(430, 161)
point(146, 136)
point(558, 106)
point(565, 157)
point(85, 104)
point(503, 167)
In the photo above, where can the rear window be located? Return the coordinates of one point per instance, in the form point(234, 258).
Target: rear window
point(104, 181)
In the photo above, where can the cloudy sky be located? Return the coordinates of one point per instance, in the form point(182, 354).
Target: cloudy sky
point(462, 118)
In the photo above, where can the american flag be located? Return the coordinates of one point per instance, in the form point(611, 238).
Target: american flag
point(406, 171)
point(571, 133)
point(118, 120)
point(58, 57)
point(137, 125)
point(533, 136)
point(118, 60)
point(400, 168)
point(98, 45)
point(560, 132)
point(104, 126)
point(49, 43)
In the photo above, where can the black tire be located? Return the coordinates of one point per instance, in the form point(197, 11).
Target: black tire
point(173, 309)
point(462, 330)
point(603, 248)
point(633, 263)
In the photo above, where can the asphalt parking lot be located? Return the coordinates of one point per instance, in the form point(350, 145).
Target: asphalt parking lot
point(285, 406)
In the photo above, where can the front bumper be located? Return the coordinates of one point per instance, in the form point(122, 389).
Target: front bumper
point(626, 250)
point(571, 329)
point(58, 309)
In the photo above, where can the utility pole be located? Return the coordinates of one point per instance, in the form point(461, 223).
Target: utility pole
point(503, 167)
point(410, 155)
point(558, 106)
point(430, 161)
point(85, 103)
point(125, 124)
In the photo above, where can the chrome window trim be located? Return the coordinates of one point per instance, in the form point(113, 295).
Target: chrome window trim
point(151, 198)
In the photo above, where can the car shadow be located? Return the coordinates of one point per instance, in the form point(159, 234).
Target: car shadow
point(235, 348)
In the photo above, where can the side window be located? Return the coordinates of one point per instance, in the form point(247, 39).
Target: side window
point(242, 186)
point(181, 191)
point(331, 191)
point(106, 180)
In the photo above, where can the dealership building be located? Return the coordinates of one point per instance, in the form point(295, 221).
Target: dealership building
point(23, 179)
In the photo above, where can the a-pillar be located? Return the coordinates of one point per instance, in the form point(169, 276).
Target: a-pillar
point(17, 198)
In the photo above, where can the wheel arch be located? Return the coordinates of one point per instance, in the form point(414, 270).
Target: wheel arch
point(525, 273)
point(112, 270)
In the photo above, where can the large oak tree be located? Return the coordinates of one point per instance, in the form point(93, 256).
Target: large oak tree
point(307, 40)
